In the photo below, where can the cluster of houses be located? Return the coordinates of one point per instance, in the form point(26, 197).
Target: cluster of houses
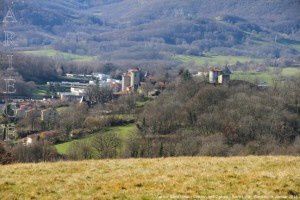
point(21, 109)
point(76, 91)
point(216, 75)
point(24, 108)
point(131, 81)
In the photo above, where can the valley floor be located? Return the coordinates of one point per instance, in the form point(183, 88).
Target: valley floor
point(165, 178)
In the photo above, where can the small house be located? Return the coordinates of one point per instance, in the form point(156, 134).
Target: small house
point(224, 77)
point(213, 75)
point(217, 76)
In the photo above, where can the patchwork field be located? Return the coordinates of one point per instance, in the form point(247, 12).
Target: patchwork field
point(165, 178)
point(213, 60)
point(267, 76)
point(54, 53)
point(219, 60)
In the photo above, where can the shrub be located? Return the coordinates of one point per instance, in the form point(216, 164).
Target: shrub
point(80, 150)
point(214, 145)
point(188, 146)
point(102, 146)
point(237, 150)
point(5, 155)
point(78, 133)
point(107, 145)
point(95, 123)
point(132, 147)
point(39, 151)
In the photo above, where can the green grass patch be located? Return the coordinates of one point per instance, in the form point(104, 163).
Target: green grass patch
point(41, 90)
point(291, 72)
point(62, 148)
point(215, 59)
point(62, 109)
point(267, 76)
point(253, 77)
point(124, 132)
point(59, 54)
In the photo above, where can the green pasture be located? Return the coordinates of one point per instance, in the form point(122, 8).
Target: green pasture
point(123, 132)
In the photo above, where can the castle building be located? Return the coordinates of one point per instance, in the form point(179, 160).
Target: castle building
point(126, 81)
point(213, 75)
point(217, 76)
point(131, 80)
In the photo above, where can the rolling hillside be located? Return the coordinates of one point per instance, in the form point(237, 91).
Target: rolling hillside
point(123, 132)
point(197, 177)
point(118, 30)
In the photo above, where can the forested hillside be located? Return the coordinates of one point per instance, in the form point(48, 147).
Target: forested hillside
point(116, 30)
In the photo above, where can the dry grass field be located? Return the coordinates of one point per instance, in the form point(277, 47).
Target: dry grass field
point(165, 178)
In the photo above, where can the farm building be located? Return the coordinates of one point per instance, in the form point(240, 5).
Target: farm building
point(217, 76)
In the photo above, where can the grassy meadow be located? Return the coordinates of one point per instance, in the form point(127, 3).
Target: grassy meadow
point(55, 53)
point(213, 60)
point(123, 133)
point(164, 178)
point(268, 76)
point(251, 76)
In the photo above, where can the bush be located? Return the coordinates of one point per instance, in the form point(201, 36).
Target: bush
point(40, 151)
point(107, 145)
point(78, 133)
point(80, 150)
point(102, 146)
point(132, 147)
point(183, 145)
point(237, 150)
point(296, 145)
point(5, 155)
point(98, 122)
point(95, 123)
point(188, 146)
point(214, 145)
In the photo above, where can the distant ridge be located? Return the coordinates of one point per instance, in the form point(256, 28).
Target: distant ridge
point(158, 29)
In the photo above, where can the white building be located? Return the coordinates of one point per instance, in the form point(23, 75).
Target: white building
point(131, 79)
point(68, 96)
point(101, 77)
point(79, 91)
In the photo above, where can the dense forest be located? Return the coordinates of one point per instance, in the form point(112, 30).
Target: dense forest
point(156, 30)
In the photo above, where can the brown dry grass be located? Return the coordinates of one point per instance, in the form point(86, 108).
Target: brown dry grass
point(165, 178)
